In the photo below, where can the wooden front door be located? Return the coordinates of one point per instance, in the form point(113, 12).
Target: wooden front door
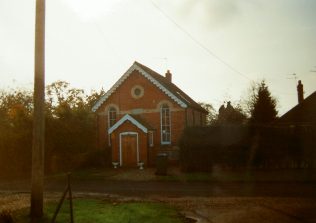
point(129, 150)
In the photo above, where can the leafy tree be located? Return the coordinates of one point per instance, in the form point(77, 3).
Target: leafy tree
point(70, 129)
point(94, 97)
point(15, 131)
point(211, 116)
point(70, 125)
point(262, 106)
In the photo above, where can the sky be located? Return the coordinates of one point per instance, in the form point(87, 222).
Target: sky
point(214, 49)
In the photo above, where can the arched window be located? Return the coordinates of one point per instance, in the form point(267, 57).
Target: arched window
point(112, 116)
point(165, 123)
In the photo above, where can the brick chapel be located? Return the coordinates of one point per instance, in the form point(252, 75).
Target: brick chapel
point(143, 114)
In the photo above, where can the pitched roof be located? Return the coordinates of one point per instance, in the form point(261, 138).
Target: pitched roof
point(304, 112)
point(160, 81)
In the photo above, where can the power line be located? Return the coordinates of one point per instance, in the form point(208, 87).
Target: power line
point(198, 42)
point(103, 35)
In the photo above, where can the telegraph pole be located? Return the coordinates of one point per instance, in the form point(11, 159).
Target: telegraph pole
point(37, 186)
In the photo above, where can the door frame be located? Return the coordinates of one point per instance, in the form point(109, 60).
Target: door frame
point(137, 145)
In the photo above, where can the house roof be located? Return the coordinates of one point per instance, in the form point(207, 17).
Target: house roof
point(170, 89)
point(130, 118)
point(302, 113)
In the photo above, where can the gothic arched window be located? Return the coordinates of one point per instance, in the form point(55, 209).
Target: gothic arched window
point(112, 116)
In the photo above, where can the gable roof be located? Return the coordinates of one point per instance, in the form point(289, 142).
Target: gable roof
point(304, 112)
point(170, 89)
point(125, 118)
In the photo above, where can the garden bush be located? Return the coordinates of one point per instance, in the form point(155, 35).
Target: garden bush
point(246, 146)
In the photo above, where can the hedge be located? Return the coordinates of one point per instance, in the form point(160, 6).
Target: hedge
point(241, 146)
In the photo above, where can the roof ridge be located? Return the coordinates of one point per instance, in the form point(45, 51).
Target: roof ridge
point(169, 88)
point(183, 95)
point(297, 106)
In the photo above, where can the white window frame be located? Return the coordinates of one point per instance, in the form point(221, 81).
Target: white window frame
point(109, 121)
point(165, 124)
point(151, 138)
point(109, 116)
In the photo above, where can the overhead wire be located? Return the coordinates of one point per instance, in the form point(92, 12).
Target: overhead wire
point(199, 43)
point(188, 34)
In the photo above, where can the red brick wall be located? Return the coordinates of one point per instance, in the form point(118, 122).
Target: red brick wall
point(195, 117)
point(148, 108)
point(150, 103)
point(142, 140)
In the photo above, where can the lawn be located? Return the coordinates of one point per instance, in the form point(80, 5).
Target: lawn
point(100, 211)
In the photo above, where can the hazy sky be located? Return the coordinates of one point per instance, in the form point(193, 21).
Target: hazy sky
point(214, 48)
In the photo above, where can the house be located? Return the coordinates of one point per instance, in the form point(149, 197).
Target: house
point(143, 114)
point(304, 113)
point(299, 124)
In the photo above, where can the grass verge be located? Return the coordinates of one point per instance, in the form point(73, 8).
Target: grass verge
point(97, 211)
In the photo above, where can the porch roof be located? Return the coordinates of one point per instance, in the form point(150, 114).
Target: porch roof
point(134, 120)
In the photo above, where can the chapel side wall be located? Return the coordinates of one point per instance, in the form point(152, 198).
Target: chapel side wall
point(195, 117)
point(189, 114)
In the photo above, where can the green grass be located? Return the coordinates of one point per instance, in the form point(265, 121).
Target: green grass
point(98, 211)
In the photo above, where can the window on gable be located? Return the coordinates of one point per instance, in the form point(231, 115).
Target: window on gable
point(165, 124)
point(112, 116)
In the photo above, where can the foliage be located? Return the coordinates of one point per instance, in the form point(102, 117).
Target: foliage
point(70, 128)
point(211, 116)
point(6, 216)
point(203, 147)
point(262, 106)
point(15, 131)
point(247, 147)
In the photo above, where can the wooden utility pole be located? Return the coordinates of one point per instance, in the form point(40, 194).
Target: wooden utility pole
point(39, 114)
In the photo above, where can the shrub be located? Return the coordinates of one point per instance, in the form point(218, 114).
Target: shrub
point(203, 147)
point(237, 146)
point(6, 216)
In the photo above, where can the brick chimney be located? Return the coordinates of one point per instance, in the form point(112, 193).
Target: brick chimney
point(168, 76)
point(300, 92)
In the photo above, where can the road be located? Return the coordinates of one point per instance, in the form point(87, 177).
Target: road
point(175, 188)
